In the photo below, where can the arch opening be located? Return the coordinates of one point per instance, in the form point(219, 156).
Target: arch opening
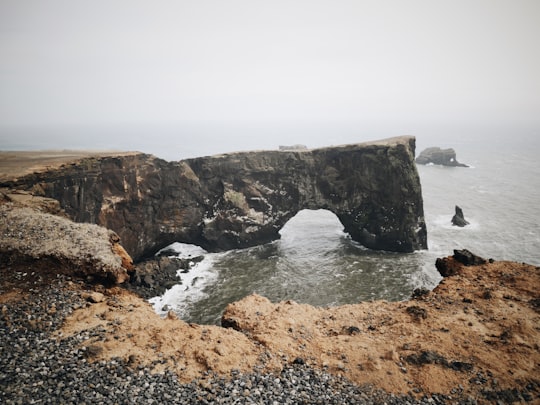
point(314, 262)
point(312, 230)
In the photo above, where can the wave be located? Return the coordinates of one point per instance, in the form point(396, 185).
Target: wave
point(181, 297)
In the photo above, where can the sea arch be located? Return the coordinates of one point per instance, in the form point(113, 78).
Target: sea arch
point(372, 188)
point(243, 199)
point(312, 230)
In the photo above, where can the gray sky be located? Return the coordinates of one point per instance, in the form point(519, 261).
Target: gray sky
point(364, 63)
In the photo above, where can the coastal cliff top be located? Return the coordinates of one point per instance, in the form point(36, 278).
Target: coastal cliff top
point(480, 323)
point(392, 141)
point(31, 235)
point(15, 164)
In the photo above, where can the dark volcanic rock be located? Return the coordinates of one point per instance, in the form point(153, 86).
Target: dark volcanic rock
point(449, 266)
point(468, 258)
point(438, 156)
point(152, 277)
point(459, 219)
point(243, 199)
point(429, 357)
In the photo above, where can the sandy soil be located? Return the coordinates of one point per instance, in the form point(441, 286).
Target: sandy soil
point(15, 164)
point(479, 329)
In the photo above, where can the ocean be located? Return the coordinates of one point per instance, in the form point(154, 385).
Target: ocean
point(316, 263)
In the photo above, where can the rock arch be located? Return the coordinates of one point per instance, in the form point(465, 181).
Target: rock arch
point(372, 188)
point(243, 199)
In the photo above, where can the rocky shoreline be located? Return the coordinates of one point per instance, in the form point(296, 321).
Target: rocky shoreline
point(41, 363)
point(39, 366)
point(72, 332)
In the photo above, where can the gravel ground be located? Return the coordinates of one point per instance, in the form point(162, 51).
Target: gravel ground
point(36, 367)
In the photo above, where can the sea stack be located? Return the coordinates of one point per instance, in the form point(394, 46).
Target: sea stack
point(459, 219)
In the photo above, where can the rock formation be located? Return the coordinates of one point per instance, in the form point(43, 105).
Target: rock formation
point(153, 276)
point(56, 244)
point(243, 199)
point(459, 219)
point(474, 338)
point(450, 266)
point(438, 156)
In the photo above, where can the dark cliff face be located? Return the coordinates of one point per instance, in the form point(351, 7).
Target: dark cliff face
point(243, 199)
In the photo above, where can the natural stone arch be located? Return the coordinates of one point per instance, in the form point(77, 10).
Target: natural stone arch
point(307, 222)
point(373, 189)
point(243, 199)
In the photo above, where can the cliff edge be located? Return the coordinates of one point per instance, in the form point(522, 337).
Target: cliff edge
point(48, 244)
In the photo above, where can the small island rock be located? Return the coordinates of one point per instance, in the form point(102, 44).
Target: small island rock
point(438, 156)
point(459, 219)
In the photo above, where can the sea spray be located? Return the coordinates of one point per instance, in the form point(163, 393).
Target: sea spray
point(190, 290)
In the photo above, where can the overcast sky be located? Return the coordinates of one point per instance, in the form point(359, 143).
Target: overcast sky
point(363, 63)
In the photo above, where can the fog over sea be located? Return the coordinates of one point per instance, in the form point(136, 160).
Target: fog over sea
point(315, 262)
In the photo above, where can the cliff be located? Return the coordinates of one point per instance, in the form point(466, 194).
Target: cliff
point(243, 199)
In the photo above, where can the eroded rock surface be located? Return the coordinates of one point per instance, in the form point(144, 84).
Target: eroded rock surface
point(243, 199)
point(57, 245)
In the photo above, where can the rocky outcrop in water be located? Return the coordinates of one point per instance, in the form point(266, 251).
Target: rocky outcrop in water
point(153, 276)
point(459, 219)
point(438, 156)
point(243, 199)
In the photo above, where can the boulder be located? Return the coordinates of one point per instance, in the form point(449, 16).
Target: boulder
point(438, 156)
point(450, 266)
point(53, 244)
point(459, 219)
point(467, 258)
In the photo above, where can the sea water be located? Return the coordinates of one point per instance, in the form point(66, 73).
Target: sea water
point(315, 262)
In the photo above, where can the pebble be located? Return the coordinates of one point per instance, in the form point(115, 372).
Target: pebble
point(36, 367)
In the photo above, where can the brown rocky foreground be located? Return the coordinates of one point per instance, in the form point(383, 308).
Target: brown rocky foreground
point(478, 331)
point(478, 327)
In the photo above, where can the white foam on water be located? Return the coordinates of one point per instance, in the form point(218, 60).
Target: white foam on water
point(427, 277)
point(184, 250)
point(190, 290)
point(445, 221)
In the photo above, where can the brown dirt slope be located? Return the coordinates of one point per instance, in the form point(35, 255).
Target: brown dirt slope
point(478, 330)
